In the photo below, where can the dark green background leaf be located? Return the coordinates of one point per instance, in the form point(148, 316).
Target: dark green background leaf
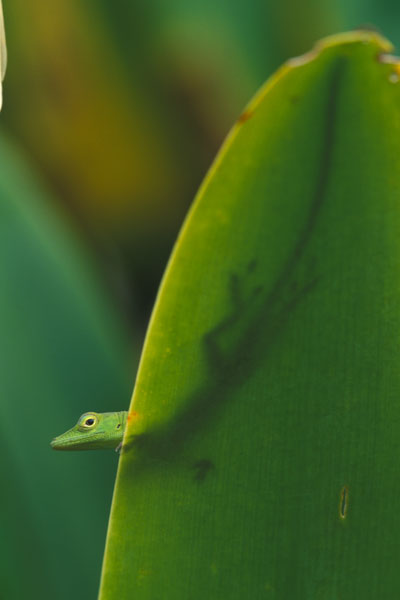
point(63, 351)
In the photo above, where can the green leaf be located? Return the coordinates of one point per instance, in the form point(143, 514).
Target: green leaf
point(63, 351)
point(261, 455)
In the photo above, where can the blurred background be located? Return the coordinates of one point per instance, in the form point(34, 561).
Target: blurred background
point(113, 112)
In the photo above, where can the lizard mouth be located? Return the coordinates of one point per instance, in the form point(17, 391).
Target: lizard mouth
point(58, 444)
point(72, 443)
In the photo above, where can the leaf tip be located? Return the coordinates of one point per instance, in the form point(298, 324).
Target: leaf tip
point(364, 35)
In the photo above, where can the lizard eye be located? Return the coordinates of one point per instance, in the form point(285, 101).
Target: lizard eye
point(88, 421)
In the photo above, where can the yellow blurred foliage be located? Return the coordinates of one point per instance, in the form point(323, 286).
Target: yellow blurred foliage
point(97, 137)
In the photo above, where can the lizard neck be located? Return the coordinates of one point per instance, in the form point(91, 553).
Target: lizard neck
point(123, 418)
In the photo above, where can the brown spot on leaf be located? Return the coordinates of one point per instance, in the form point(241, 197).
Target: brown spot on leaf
point(344, 502)
point(245, 116)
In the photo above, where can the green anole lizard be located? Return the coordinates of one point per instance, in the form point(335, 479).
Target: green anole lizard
point(94, 431)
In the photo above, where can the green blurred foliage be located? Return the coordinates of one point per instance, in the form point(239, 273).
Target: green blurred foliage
point(64, 350)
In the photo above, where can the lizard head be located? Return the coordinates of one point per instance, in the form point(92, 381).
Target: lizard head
point(93, 430)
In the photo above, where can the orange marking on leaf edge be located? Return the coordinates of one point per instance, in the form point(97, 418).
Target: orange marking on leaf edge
point(132, 415)
point(245, 116)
